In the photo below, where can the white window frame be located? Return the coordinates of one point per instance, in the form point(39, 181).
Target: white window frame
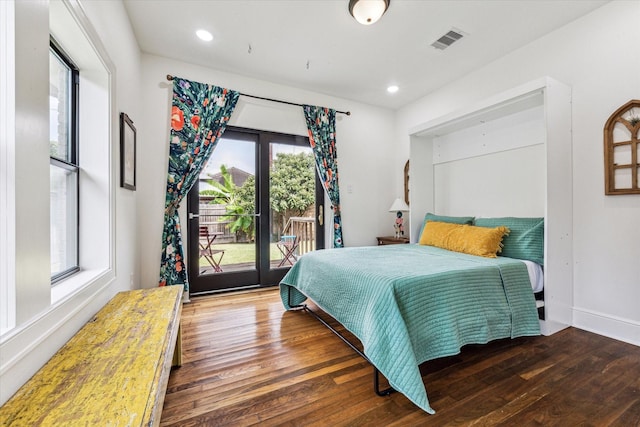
point(76, 36)
point(7, 167)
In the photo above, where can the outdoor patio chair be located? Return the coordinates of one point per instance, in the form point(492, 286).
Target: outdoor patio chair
point(206, 249)
point(287, 246)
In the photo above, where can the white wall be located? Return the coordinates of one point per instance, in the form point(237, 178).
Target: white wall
point(517, 176)
point(32, 269)
point(597, 55)
point(42, 326)
point(362, 143)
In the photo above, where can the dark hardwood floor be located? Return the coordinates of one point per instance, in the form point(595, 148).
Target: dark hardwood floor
point(248, 362)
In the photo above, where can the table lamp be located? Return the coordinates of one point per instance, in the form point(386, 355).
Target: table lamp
point(398, 207)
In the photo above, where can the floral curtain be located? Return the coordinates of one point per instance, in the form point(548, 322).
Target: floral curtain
point(321, 123)
point(199, 116)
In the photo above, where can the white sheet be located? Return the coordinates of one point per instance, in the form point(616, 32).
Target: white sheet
point(536, 275)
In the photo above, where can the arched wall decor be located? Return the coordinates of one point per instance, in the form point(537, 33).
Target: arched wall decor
point(622, 150)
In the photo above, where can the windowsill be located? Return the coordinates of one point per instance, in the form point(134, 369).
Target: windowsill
point(88, 281)
point(69, 286)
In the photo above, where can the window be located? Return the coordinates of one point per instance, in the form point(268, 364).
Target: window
point(64, 170)
point(31, 310)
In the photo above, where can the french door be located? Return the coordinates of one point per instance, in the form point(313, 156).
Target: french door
point(256, 208)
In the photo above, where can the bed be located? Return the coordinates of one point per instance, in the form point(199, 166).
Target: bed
point(408, 304)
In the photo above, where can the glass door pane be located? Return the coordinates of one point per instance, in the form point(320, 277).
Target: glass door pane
point(292, 192)
point(223, 250)
point(227, 207)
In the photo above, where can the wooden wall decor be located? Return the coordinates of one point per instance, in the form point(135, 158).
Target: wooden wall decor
point(621, 150)
point(406, 183)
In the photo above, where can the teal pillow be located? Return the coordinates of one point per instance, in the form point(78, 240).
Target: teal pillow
point(525, 240)
point(442, 218)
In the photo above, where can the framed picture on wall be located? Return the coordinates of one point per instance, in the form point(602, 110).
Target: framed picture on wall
point(127, 153)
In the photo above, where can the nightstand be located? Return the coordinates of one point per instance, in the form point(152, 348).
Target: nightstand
point(391, 240)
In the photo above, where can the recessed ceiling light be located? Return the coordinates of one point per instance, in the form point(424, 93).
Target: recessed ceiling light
point(392, 89)
point(204, 35)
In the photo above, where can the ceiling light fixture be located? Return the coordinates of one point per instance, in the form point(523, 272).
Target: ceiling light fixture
point(392, 89)
point(368, 12)
point(204, 35)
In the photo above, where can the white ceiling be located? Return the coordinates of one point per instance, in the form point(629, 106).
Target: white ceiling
point(274, 40)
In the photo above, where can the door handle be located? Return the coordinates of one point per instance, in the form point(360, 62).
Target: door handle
point(192, 215)
point(321, 215)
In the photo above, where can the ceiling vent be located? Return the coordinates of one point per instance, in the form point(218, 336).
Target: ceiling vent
point(448, 39)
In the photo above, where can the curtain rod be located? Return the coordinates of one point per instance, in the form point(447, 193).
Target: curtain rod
point(348, 113)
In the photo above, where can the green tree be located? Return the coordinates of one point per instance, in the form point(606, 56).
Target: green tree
point(235, 200)
point(292, 192)
point(292, 189)
point(244, 205)
point(222, 193)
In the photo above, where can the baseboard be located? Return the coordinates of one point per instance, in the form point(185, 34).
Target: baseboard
point(609, 326)
point(550, 327)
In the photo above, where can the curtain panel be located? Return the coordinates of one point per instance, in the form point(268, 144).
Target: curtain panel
point(199, 115)
point(321, 124)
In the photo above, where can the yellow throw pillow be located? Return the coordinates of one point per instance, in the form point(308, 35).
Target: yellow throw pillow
point(468, 239)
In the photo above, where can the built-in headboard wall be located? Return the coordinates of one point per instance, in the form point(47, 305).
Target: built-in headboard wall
point(509, 155)
point(505, 183)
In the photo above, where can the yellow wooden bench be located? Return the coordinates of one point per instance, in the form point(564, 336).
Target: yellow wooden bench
point(113, 372)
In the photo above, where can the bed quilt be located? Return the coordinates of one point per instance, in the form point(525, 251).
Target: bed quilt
point(410, 303)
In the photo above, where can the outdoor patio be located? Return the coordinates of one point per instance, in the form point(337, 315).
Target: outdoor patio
point(233, 252)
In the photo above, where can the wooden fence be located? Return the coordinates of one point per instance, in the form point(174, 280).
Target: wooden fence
point(212, 216)
point(305, 229)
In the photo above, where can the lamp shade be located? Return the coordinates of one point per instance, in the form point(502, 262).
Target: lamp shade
point(368, 12)
point(399, 206)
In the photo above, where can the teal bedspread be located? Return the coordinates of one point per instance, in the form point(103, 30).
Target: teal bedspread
point(410, 303)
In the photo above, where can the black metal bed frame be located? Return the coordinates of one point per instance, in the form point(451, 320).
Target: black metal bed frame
point(376, 372)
